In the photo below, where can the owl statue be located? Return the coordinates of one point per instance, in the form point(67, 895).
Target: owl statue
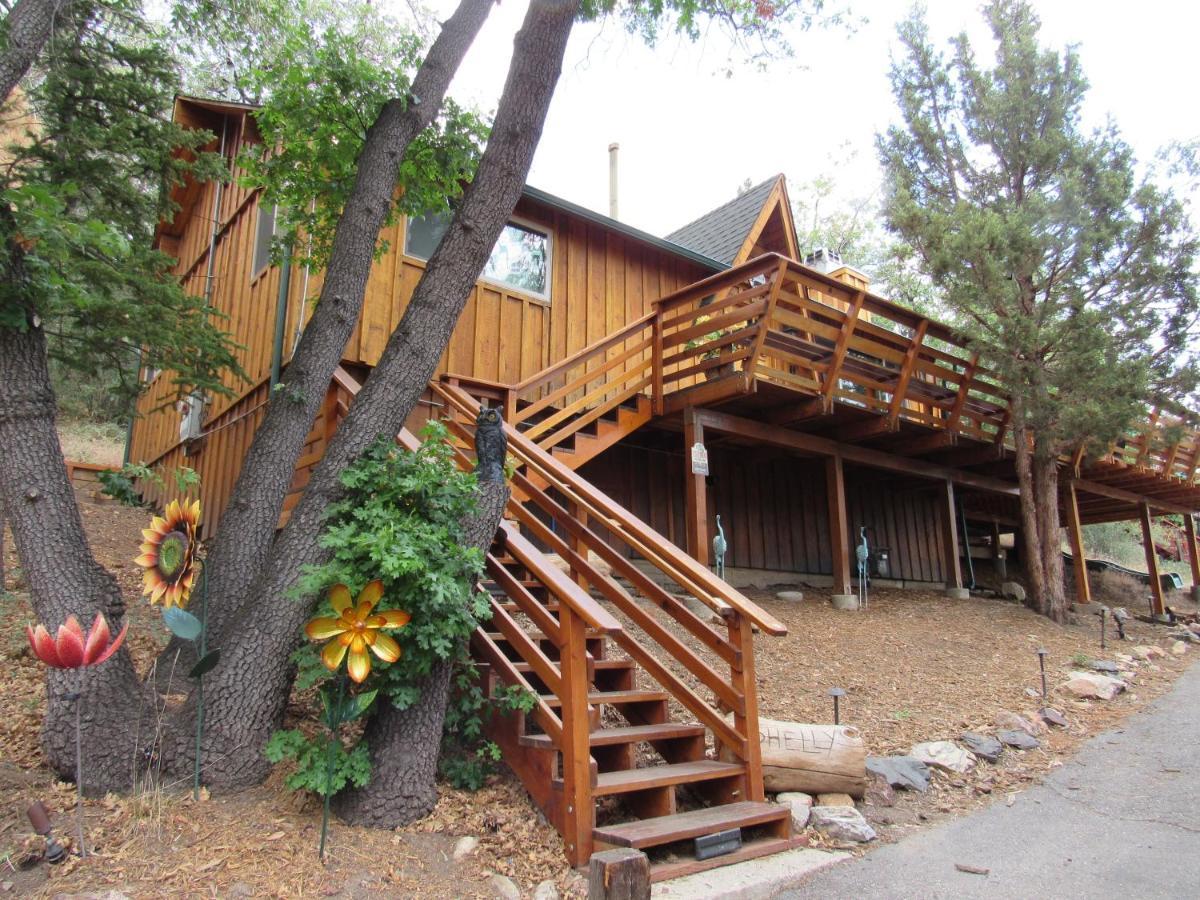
point(491, 445)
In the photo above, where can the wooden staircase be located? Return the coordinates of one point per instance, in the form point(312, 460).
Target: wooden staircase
point(643, 730)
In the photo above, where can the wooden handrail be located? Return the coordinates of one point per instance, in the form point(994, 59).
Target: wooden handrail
point(540, 378)
point(678, 565)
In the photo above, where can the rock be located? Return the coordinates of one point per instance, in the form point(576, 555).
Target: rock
point(1184, 634)
point(801, 805)
point(1052, 716)
point(1013, 722)
point(1010, 590)
point(1018, 740)
point(945, 755)
point(1103, 665)
point(879, 792)
point(464, 847)
point(842, 823)
point(982, 746)
point(1179, 648)
point(835, 800)
point(1031, 693)
point(1093, 686)
point(906, 773)
point(1146, 652)
point(546, 891)
point(1126, 659)
point(790, 596)
point(504, 887)
point(1195, 628)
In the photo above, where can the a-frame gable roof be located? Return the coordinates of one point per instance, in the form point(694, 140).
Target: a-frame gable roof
point(730, 232)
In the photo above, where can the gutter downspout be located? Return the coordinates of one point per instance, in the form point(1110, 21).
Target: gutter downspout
point(281, 310)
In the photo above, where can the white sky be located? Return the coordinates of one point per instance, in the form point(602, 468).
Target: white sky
point(690, 135)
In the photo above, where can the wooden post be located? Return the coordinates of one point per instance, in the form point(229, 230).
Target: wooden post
point(697, 491)
point(1083, 590)
point(741, 635)
point(656, 362)
point(579, 514)
point(1189, 530)
point(839, 528)
point(998, 561)
point(578, 810)
point(1158, 608)
point(620, 874)
point(950, 546)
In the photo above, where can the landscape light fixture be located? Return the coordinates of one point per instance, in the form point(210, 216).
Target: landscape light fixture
point(39, 818)
point(836, 693)
point(1103, 623)
point(1041, 655)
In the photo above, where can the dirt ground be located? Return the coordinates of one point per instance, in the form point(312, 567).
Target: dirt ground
point(915, 667)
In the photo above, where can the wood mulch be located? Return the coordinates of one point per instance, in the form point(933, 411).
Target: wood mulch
point(915, 667)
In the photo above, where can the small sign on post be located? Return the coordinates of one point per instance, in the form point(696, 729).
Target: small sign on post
point(699, 459)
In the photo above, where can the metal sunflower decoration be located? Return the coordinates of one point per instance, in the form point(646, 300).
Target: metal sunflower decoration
point(168, 555)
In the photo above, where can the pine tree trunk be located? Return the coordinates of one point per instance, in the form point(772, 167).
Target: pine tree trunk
point(243, 541)
point(1031, 545)
point(63, 576)
point(1045, 468)
point(252, 684)
point(404, 743)
point(28, 26)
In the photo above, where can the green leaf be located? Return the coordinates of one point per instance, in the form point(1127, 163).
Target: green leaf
point(182, 623)
point(205, 664)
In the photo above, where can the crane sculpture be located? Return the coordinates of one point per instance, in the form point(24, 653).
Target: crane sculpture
point(863, 553)
point(720, 545)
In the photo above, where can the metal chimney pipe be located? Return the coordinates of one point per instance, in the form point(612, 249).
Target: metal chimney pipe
point(612, 179)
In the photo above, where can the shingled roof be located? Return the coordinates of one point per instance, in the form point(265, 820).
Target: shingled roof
point(720, 234)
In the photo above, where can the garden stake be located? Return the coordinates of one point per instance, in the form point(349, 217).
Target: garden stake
point(200, 682)
point(1041, 655)
point(79, 760)
point(335, 720)
point(835, 693)
point(1103, 620)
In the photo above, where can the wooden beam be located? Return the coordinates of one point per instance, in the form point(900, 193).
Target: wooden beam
point(716, 391)
point(1083, 590)
point(950, 546)
point(839, 528)
point(696, 497)
point(1104, 490)
point(927, 443)
point(864, 429)
point(840, 349)
point(782, 437)
point(796, 412)
point(906, 370)
point(963, 389)
point(1156, 591)
point(1189, 530)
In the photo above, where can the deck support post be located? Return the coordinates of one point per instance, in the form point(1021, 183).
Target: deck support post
point(696, 497)
point(619, 874)
point(1189, 531)
point(950, 547)
point(839, 531)
point(1083, 590)
point(1157, 606)
point(743, 679)
point(578, 808)
point(999, 563)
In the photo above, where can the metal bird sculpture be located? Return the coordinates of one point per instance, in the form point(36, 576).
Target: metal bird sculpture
point(720, 545)
point(863, 553)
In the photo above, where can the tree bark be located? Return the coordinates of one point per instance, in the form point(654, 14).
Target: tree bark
point(63, 576)
point(404, 743)
point(1031, 545)
point(29, 25)
point(252, 684)
point(243, 540)
point(1045, 467)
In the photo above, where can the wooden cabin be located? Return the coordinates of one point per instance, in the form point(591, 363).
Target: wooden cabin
point(648, 385)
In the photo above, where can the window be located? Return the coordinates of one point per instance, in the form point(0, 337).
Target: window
point(263, 235)
point(520, 259)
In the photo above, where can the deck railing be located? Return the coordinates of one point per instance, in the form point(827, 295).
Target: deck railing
point(777, 322)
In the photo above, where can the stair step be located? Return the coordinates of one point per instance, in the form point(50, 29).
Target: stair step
point(665, 871)
point(632, 734)
point(682, 826)
point(622, 782)
point(613, 698)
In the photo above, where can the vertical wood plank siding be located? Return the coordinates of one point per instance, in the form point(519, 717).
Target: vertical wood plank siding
point(774, 510)
point(598, 282)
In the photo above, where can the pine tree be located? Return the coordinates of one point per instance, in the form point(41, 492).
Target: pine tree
point(1075, 280)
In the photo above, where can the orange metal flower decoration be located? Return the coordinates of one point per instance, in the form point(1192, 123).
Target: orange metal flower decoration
point(70, 649)
point(355, 629)
point(169, 554)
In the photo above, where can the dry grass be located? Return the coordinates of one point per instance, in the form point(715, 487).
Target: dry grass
point(102, 443)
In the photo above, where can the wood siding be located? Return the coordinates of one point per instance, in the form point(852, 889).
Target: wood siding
point(773, 509)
